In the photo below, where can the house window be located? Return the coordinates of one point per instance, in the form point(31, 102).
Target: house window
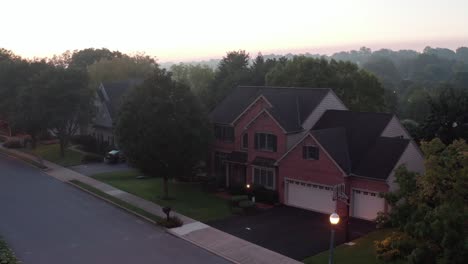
point(264, 141)
point(264, 177)
point(310, 152)
point(245, 141)
point(224, 133)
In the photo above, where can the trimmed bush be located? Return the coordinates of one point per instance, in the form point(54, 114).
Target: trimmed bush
point(265, 195)
point(237, 190)
point(91, 158)
point(382, 220)
point(210, 184)
point(13, 143)
point(171, 222)
point(3, 138)
point(235, 200)
point(396, 246)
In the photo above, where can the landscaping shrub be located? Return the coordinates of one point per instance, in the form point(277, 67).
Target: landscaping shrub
point(396, 246)
point(265, 195)
point(171, 222)
point(90, 158)
point(235, 200)
point(13, 143)
point(382, 220)
point(248, 206)
point(3, 138)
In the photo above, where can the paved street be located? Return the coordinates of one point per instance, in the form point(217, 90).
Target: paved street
point(47, 221)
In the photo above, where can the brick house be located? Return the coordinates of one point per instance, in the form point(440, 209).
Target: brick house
point(303, 142)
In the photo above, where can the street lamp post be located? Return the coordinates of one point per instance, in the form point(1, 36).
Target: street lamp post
point(334, 219)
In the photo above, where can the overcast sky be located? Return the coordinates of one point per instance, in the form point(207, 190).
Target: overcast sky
point(198, 29)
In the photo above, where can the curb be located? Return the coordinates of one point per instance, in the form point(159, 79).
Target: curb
point(117, 205)
point(168, 230)
point(202, 247)
point(23, 159)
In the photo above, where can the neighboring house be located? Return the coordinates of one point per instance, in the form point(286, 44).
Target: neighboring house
point(303, 142)
point(108, 100)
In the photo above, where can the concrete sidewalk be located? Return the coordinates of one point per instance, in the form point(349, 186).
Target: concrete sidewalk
point(220, 243)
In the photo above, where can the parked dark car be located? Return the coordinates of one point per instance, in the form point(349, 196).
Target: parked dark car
point(114, 156)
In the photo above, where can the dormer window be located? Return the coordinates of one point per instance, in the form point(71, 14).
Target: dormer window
point(310, 152)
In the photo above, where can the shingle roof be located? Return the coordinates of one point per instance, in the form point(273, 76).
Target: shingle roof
point(382, 157)
point(116, 92)
point(354, 142)
point(335, 143)
point(290, 105)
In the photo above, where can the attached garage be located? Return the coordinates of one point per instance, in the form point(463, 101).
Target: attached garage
point(310, 196)
point(366, 204)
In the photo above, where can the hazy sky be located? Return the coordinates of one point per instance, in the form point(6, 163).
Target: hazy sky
point(184, 29)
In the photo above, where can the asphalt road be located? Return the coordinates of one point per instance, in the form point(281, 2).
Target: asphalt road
point(47, 221)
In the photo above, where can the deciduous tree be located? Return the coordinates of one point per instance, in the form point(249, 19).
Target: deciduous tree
point(163, 128)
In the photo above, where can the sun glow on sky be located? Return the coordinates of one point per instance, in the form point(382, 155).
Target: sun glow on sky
point(184, 30)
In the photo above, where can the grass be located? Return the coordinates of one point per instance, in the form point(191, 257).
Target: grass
point(117, 201)
point(32, 162)
point(6, 254)
point(52, 153)
point(361, 253)
point(187, 198)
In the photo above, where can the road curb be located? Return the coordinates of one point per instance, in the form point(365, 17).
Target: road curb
point(32, 162)
point(115, 204)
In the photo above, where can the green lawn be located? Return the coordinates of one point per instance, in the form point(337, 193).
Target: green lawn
point(52, 153)
point(361, 253)
point(186, 198)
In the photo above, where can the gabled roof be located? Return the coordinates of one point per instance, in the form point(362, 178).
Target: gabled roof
point(381, 158)
point(354, 142)
point(290, 106)
point(115, 92)
point(362, 129)
point(335, 143)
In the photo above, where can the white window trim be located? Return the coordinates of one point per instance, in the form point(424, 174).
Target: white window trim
point(267, 169)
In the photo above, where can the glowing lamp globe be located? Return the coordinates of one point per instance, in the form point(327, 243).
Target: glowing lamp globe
point(334, 218)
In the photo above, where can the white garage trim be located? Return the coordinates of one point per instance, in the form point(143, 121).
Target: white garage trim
point(323, 205)
point(366, 204)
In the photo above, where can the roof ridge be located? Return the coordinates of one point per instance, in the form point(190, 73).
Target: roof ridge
point(360, 112)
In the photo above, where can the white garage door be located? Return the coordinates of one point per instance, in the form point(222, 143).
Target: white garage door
point(367, 204)
point(310, 196)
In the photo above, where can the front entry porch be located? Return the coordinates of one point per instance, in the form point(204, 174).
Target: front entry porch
point(236, 175)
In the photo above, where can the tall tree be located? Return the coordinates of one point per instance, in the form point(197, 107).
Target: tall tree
point(198, 77)
point(68, 101)
point(233, 70)
point(86, 57)
point(172, 145)
point(359, 90)
point(139, 66)
point(432, 208)
point(448, 119)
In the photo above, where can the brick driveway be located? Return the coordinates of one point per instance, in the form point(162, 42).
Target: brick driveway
point(293, 232)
